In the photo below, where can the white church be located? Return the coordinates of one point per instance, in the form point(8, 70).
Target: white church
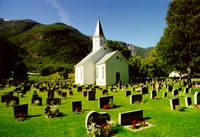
point(102, 66)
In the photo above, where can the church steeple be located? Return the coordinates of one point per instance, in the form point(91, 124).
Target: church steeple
point(98, 38)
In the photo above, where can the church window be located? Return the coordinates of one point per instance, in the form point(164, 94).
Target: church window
point(102, 72)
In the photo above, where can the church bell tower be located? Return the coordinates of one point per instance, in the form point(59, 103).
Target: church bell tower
point(98, 38)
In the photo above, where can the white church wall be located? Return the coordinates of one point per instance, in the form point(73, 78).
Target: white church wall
point(79, 75)
point(101, 74)
point(115, 65)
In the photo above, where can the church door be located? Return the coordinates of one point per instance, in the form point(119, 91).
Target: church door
point(117, 77)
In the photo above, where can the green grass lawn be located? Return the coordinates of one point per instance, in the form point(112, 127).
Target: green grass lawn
point(167, 123)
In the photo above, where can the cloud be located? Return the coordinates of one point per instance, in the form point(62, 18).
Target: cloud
point(64, 17)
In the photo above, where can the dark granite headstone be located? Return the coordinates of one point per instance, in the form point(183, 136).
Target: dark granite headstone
point(84, 93)
point(127, 93)
point(53, 101)
point(70, 92)
point(153, 94)
point(188, 101)
point(169, 88)
point(144, 90)
point(20, 110)
point(91, 95)
point(164, 94)
point(186, 90)
point(64, 94)
point(79, 89)
point(96, 117)
point(174, 102)
point(174, 92)
point(197, 98)
point(136, 98)
point(104, 101)
point(51, 94)
point(126, 118)
point(104, 92)
point(76, 106)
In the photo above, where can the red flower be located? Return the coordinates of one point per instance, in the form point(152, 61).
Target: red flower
point(133, 124)
point(77, 109)
point(101, 126)
point(24, 115)
point(138, 121)
point(144, 122)
point(81, 111)
point(106, 107)
point(20, 114)
point(195, 105)
point(106, 129)
point(16, 114)
point(108, 125)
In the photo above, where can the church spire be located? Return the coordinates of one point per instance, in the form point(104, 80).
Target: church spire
point(99, 31)
point(98, 38)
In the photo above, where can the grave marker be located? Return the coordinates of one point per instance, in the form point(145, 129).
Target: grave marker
point(11, 101)
point(174, 92)
point(84, 93)
point(76, 106)
point(153, 94)
point(136, 98)
point(50, 94)
point(174, 102)
point(53, 101)
point(91, 95)
point(197, 98)
point(188, 101)
point(20, 110)
point(104, 101)
point(127, 93)
point(35, 99)
point(186, 90)
point(104, 92)
point(125, 118)
point(164, 94)
point(96, 117)
point(144, 90)
point(64, 94)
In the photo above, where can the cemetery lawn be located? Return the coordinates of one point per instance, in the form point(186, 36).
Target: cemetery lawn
point(157, 112)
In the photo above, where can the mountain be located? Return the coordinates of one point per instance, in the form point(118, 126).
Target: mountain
point(55, 46)
point(52, 47)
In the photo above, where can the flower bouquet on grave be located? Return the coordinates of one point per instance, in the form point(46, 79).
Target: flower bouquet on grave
point(138, 124)
point(77, 110)
point(104, 130)
point(196, 106)
point(12, 103)
point(36, 103)
point(20, 117)
point(51, 111)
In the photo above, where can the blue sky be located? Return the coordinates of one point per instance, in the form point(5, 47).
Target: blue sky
point(138, 22)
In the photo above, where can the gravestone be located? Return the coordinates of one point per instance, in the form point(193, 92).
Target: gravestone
point(79, 89)
point(11, 93)
point(91, 95)
point(11, 101)
point(64, 94)
point(96, 117)
point(174, 102)
point(20, 110)
point(104, 101)
point(125, 118)
point(179, 89)
point(84, 93)
point(59, 92)
point(136, 98)
point(169, 88)
point(153, 94)
point(70, 92)
point(38, 99)
point(174, 92)
point(5, 97)
point(76, 105)
point(186, 90)
point(197, 98)
point(188, 101)
point(144, 90)
point(164, 94)
point(104, 92)
point(53, 101)
point(51, 94)
point(127, 93)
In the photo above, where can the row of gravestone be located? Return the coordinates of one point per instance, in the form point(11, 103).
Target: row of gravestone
point(188, 101)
